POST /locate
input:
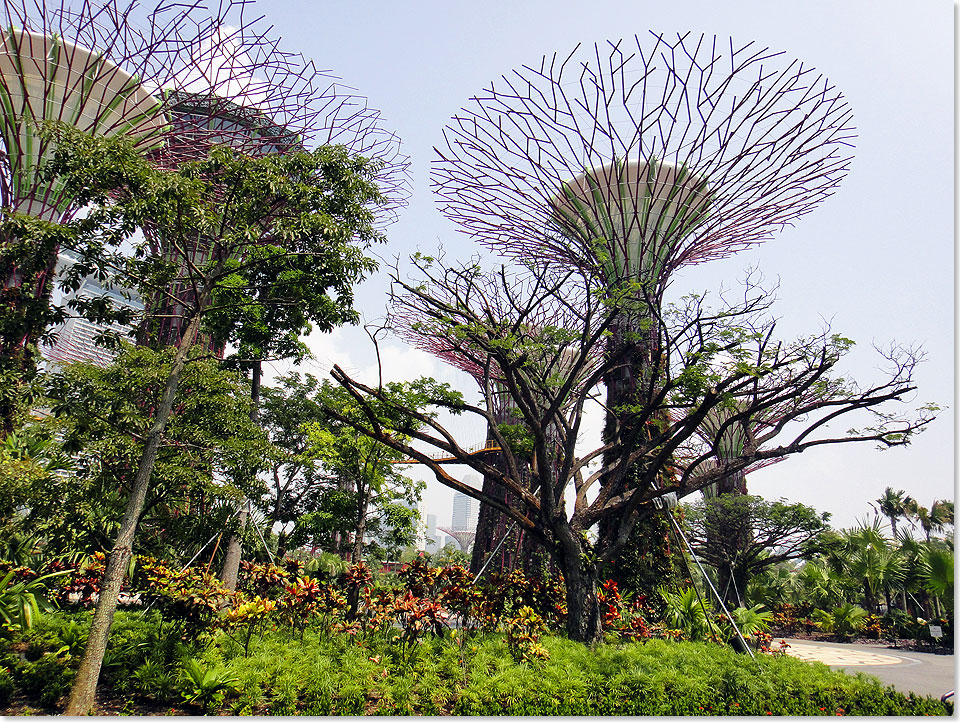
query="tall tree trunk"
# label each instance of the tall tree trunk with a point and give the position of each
(84, 690)
(583, 607)
(491, 525)
(231, 562)
(629, 385)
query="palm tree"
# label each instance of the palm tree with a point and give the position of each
(881, 570)
(936, 571)
(941, 514)
(936, 518)
(894, 505)
(816, 582)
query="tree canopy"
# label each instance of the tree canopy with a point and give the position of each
(535, 334)
(740, 535)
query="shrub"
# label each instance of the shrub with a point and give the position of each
(49, 678)
(843, 620)
(6, 685)
(153, 681)
(685, 611)
(204, 686)
(22, 600)
(186, 597)
(523, 636)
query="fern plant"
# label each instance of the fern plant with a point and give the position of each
(684, 611)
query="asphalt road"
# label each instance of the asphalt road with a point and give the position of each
(907, 671)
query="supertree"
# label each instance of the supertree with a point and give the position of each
(636, 158)
(87, 66)
(464, 538)
(493, 529)
(243, 91)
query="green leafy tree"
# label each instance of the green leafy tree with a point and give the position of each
(102, 417)
(366, 470)
(818, 583)
(30, 458)
(27, 245)
(741, 535)
(936, 572)
(249, 215)
(298, 499)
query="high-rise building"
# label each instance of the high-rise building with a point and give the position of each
(431, 535)
(466, 509)
(76, 338)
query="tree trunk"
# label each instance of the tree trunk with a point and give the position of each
(231, 562)
(230, 573)
(628, 385)
(361, 528)
(84, 690)
(583, 608)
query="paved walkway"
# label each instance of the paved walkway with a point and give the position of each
(908, 671)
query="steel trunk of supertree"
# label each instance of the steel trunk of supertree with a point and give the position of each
(494, 532)
(635, 158)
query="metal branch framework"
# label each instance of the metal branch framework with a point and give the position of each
(634, 158)
(241, 89)
(177, 78)
(463, 537)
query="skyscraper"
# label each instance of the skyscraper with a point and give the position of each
(75, 339)
(465, 511)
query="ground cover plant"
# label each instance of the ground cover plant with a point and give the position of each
(421, 641)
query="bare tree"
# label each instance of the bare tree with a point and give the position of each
(553, 374)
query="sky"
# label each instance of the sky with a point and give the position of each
(876, 260)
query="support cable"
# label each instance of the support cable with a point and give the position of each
(256, 528)
(493, 553)
(668, 509)
(723, 606)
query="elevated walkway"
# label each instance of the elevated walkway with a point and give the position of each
(444, 457)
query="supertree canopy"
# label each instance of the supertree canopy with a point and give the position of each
(243, 91)
(635, 158)
(464, 538)
(88, 65)
(85, 64)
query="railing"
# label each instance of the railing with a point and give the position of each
(444, 456)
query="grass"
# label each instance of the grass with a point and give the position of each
(324, 674)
